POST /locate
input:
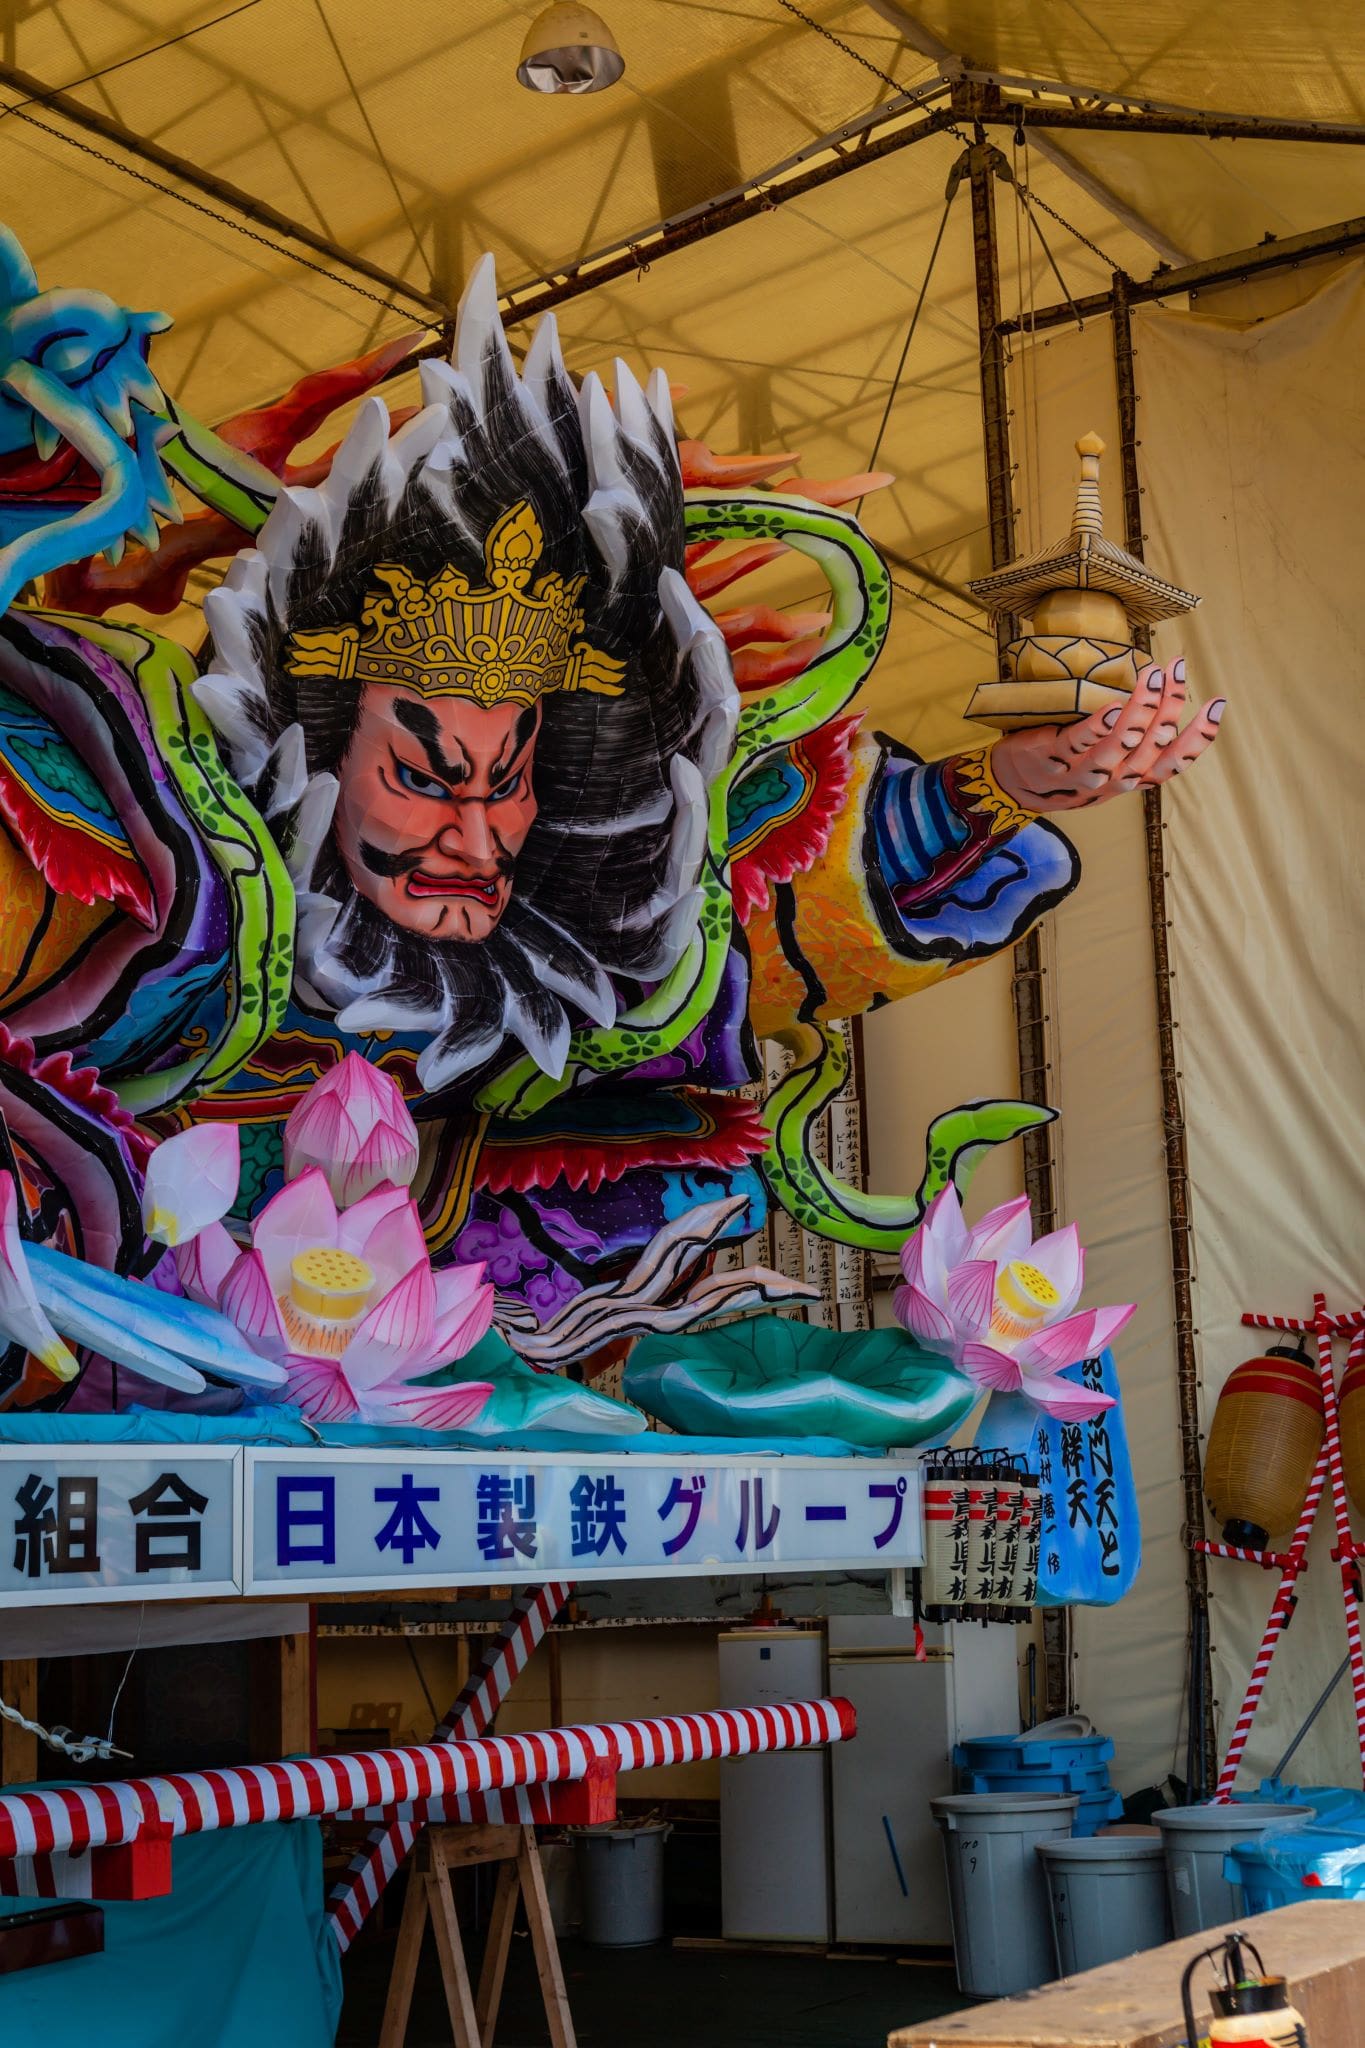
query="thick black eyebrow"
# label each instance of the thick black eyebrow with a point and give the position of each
(522, 733)
(422, 724)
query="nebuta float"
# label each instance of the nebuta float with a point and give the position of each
(467, 779)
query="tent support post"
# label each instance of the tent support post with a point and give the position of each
(1172, 1104)
(1030, 970)
(1030, 1008)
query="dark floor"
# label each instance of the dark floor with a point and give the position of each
(671, 1998)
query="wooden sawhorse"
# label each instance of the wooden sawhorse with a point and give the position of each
(440, 1849)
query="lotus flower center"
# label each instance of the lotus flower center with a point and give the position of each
(329, 1291)
(1024, 1299)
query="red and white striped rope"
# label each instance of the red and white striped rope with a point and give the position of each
(358, 1891)
(80, 1816)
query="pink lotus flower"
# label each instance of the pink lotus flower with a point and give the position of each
(191, 1181)
(22, 1317)
(355, 1125)
(1000, 1305)
(337, 1288)
(346, 1300)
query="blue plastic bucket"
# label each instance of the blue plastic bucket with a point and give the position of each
(1288, 1866)
(1089, 1784)
(1033, 1757)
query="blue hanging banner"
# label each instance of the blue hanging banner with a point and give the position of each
(1091, 1532)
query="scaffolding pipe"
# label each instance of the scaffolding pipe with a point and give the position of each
(1336, 240)
(1172, 1101)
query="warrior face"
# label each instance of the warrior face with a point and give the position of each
(434, 806)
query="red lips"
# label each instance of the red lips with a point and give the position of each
(482, 890)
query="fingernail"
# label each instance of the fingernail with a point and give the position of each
(1112, 717)
(1216, 709)
(1155, 679)
(1131, 740)
(1178, 668)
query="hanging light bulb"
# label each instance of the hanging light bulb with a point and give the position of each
(569, 49)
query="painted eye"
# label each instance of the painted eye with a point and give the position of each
(416, 782)
(510, 788)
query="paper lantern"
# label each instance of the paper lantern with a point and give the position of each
(1351, 1417)
(1263, 1443)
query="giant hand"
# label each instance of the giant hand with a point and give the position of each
(1138, 745)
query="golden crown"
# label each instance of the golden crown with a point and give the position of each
(508, 639)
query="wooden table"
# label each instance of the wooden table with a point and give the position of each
(1319, 1947)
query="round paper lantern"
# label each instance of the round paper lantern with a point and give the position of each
(1351, 1415)
(1264, 1441)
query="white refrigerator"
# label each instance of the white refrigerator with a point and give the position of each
(774, 1810)
(890, 1883)
(839, 1844)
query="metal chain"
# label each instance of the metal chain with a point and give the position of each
(840, 44)
(887, 79)
(1031, 198)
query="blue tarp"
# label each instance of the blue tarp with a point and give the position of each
(236, 1956)
(283, 1426)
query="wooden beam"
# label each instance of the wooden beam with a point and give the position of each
(281, 1677)
(19, 1749)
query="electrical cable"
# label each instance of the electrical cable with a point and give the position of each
(138, 57)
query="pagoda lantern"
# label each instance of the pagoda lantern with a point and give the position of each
(1081, 598)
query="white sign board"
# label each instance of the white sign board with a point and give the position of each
(81, 1523)
(118, 1522)
(320, 1521)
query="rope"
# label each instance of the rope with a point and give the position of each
(82, 1749)
(910, 335)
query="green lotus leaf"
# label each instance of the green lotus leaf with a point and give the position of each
(523, 1398)
(773, 1376)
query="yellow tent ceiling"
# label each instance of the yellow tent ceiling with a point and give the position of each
(399, 134)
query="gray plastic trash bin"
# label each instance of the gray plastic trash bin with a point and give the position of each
(1108, 1898)
(621, 1884)
(1002, 1940)
(1196, 1839)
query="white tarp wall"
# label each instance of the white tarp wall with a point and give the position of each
(1252, 455)
(1253, 444)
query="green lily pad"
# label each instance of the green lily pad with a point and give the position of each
(773, 1376)
(523, 1398)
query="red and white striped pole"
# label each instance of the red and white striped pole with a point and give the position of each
(1345, 1553)
(1323, 1327)
(358, 1891)
(1280, 1613)
(76, 1817)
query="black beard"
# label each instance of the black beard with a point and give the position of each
(528, 980)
